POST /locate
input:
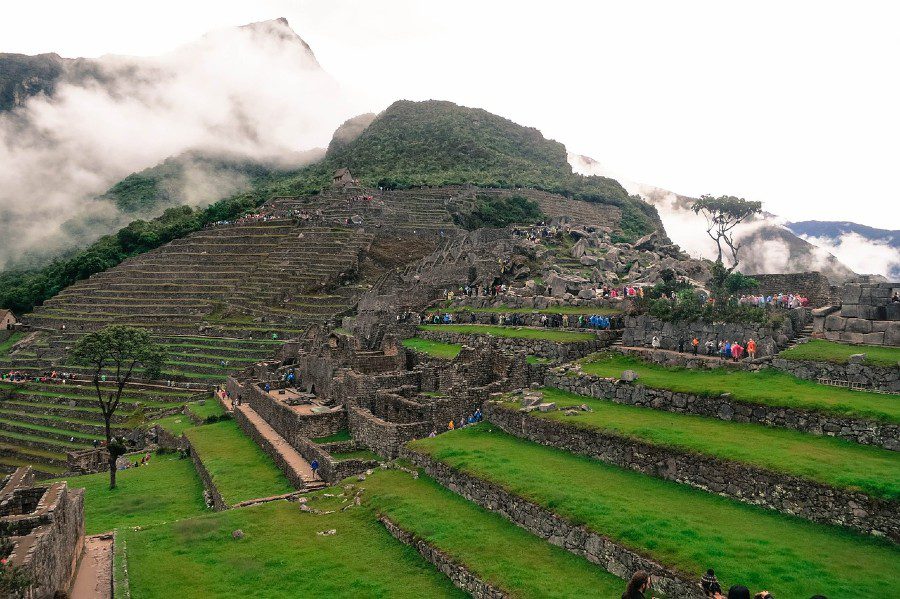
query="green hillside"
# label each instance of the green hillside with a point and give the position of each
(410, 144)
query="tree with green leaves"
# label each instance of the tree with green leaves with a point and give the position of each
(723, 214)
(118, 350)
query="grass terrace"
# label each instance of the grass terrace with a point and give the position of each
(209, 408)
(684, 528)
(340, 436)
(768, 387)
(576, 310)
(281, 555)
(5, 346)
(490, 546)
(820, 350)
(827, 460)
(165, 490)
(239, 468)
(511, 332)
(435, 349)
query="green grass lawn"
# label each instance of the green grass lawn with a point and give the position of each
(537, 360)
(820, 350)
(175, 424)
(341, 435)
(576, 310)
(511, 332)
(209, 407)
(5, 346)
(166, 490)
(684, 528)
(356, 454)
(239, 468)
(769, 386)
(281, 555)
(491, 547)
(828, 460)
(435, 349)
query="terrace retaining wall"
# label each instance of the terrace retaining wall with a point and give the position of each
(288, 423)
(215, 497)
(723, 407)
(458, 574)
(879, 378)
(331, 470)
(267, 446)
(579, 540)
(383, 437)
(640, 330)
(777, 491)
(541, 348)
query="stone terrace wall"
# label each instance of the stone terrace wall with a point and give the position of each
(640, 330)
(383, 437)
(547, 525)
(866, 432)
(867, 316)
(271, 450)
(813, 285)
(535, 347)
(458, 574)
(212, 491)
(554, 321)
(773, 490)
(331, 470)
(879, 378)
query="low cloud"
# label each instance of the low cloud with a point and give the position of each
(861, 254)
(254, 92)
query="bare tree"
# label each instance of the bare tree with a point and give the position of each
(723, 214)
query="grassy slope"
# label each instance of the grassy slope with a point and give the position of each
(6, 345)
(511, 332)
(280, 556)
(436, 349)
(165, 490)
(239, 468)
(682, 527)
(490, 546)
(820, 350)
(769, 387)
(828, 460)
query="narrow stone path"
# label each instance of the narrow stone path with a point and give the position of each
(94, 577)
(292, 458)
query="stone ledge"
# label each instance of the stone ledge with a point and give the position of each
(781, 492)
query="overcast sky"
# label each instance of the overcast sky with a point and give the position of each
(792, 103)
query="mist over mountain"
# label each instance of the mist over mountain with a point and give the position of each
(769, 243)
(70, 129)
(861, 247)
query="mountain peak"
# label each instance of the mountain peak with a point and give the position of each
(278, 29)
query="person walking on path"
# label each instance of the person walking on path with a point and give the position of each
(315, 468)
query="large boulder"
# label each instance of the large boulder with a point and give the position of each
(647, 242)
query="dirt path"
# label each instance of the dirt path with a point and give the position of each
(293, 459)
(94, 577)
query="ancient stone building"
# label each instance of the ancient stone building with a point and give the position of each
(867, 315)
(45, 523)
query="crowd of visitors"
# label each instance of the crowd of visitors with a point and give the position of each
(641, 584)
(515, 319)
(778, 300)
(725, 349)
(17, 376)
(463, 421)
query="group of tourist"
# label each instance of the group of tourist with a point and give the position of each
(463, 421)
(727, 350)
(641, 583)
(124, 463)
(17, 376)
(778, 300)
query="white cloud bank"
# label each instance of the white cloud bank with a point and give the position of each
(255, 91)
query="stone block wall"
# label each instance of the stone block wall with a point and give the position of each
(535, 347)
(640, 330)
(878, 378)
(271, 450)
(288, 423)
(773, 490)
(47, 531)
(330, 469)
(867, 315)
(212, 491)
(866, 432)
(579, 540)
(383, 437)
(813, 285)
